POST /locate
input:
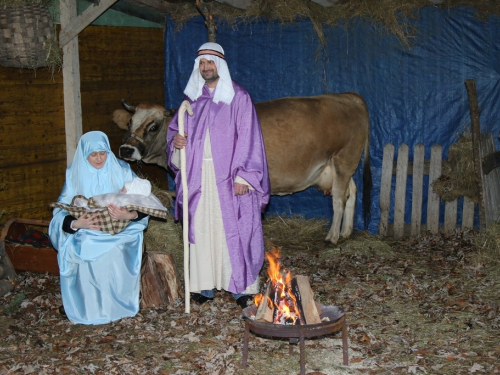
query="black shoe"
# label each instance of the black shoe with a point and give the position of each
(243, 301)
(61, 311)
(200, 298)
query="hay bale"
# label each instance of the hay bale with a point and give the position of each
(457, 176)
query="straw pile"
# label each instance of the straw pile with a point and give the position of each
(458, 177)
(392, 16)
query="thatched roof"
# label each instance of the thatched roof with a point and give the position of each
(390, 15)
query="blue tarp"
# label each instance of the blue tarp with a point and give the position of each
(414, 95)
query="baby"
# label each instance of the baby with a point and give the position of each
(137, 186)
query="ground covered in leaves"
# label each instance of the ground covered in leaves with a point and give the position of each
(421, 306)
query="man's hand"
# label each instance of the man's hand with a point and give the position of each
(87, 221)
(121, 213)
(240, 189)
(179, 141)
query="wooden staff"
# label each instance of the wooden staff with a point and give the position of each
(185, 208)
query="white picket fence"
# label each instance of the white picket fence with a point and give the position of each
(418, 168)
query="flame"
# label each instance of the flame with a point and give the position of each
(285, 310)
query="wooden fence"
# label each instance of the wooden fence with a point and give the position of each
(418, 168)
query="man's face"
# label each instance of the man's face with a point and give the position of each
(208, 71)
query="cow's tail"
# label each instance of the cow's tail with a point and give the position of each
(367, 183)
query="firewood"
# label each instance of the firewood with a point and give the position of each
(305, 300)
(159, 280)
(265, 312)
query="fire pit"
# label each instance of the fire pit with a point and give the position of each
(332, 320)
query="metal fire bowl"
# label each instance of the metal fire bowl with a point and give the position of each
(335, 315)
(297, 333)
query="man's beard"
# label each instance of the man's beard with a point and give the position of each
(210, 77)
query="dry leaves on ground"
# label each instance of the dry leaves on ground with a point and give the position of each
(413, 307)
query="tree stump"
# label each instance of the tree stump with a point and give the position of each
(159, 280)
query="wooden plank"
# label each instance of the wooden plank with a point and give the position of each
(70, 30)
(468, 214)
(491, 182)
(385, 188)
(450, 217)
(34, 154)
(432, 197)
(418, 181)
(400, 195)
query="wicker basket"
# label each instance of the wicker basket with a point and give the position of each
(24, 32)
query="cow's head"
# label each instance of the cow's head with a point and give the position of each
(146, 126)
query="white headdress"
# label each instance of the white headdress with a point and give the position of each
(224, 91)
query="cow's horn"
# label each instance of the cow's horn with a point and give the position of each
(127, 106)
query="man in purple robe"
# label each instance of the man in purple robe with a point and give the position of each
(228, 181)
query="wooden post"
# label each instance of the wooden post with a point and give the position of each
(71, 25)
(71, 82)
(432, 197)
(476, 134)
(385, 189)
(418, 180)
(209, 20)
(400, 196)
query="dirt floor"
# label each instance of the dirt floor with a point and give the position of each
(422, 306)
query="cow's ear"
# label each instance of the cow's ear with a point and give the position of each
(121, 118)
(170, 112)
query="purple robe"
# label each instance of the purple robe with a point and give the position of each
(238, 150)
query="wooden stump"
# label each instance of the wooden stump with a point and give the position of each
(159, 280)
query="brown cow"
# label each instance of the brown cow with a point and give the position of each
(309, 141)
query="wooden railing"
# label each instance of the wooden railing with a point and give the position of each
(418, 168)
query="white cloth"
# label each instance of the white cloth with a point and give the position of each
(224, 91)
(138, 186)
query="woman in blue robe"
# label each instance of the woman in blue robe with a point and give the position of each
(99, 272)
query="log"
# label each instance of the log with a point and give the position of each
(305, 300)
(264, 311)
(159, 280)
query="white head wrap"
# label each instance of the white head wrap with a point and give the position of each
(138, 186)
(224, 91)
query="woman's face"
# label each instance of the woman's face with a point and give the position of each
(97, 159)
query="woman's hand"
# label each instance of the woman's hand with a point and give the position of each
(121, 213)
(87, 221)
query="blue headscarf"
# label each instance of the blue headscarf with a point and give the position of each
(84, 179)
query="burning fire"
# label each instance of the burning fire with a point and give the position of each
(280, 297)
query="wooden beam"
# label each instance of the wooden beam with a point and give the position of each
(71, 81)
(78, 23)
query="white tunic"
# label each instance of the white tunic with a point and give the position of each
(210, 265)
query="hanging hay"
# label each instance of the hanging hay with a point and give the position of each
(391, 16)
(457, 175)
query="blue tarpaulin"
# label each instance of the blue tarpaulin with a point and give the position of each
(414, 95)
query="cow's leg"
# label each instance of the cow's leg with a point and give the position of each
(340, 192)
(348, 220)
